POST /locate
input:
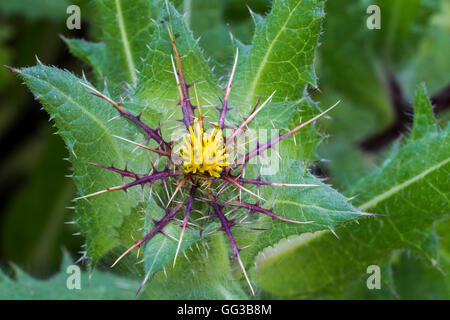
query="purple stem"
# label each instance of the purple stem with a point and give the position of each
(190, 202)
(162, 175)
(252, 181)
(223, 113)
(261, 148)
(136, 119)
(186, 117)
(123, 173)
(226, 226)
(158, 227)
(153, 134)
(189, 205)
(254, 207)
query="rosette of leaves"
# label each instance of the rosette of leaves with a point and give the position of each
(150, 78)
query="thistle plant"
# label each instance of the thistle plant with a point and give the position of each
(200, 176)
(173, 163)
(204, 172)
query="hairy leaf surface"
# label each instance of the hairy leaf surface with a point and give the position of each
(411, 188)
(282, 54)
(83, 121)
(99, 286)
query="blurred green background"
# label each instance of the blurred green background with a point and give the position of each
(34, 192)
(373, 72)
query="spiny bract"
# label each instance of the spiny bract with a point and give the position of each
(205, 157)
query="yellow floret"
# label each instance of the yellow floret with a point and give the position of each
(203, 152)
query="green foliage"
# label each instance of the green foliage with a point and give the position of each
(214, 282)
(83, 123)
(411, 188)
(283, 41)
(41, 235)
(356, 63)
(32, 157)
(132, 63)
(429, 64)
(205, 274)
(125, 32)
(322, 205)
(92, 287)
(160, 251)
(156, 84)
(404, 24)
(48, 9)
(204, 18)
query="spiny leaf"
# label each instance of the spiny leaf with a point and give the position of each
(411, 188)
(83, 121)
(161, 249)
(282, 54)
(321, 204)
(424, 121)
(204, 272)
(126, 31)
(156, 81)
(93, 54)
(99, 286)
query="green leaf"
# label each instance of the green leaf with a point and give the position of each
(281, 56)
(411, 188)
(284, 116)
(83, 121)
(324, 206)
(202, 273)
(126, 30)
(97, 285)
(161, 249)
(205, 19)
(156, 83)
(424, 121)
(93, 54)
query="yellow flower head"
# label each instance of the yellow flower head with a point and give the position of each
(203, 151)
